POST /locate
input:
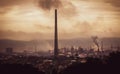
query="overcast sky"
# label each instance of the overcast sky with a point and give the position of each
(34, 19)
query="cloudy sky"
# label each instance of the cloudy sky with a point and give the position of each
(34, 19)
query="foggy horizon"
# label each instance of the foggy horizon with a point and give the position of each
(46, 45)
(90, 38)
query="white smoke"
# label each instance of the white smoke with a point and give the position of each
(96, 43)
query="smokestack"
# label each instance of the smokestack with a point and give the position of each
(56, 37)
(102, 49)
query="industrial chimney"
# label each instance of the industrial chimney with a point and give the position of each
(56, 52)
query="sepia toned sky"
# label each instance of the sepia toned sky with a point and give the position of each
(34, 19)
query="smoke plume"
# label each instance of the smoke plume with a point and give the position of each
(49, 4)
(95, 41)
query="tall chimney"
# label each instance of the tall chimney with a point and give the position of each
(56, 37)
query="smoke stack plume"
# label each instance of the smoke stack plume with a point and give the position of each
(49, 4)
(95, 41)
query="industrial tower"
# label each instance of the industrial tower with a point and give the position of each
(56, 51)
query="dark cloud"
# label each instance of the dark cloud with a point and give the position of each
(115, 3)
(48, 4)
(7, 3)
